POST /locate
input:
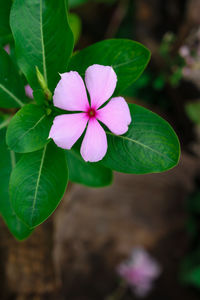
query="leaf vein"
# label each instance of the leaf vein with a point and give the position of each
(38, 181)
(26, 132)
(42, 43)
(140, 144)
(11, 95)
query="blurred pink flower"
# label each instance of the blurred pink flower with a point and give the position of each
(140, 271)
(184, 51)
(190, 60)
(186, 71)
(29, 91)
(7, 48)
(71, 95)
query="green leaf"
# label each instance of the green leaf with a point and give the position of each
(29, 129)
(149, 146)
(38, 183)
(75, 24)
(7, 162)
(190, 269)
(39, 96)
(5, 32)
(43, 38)
(75, 3)
(193, 111)
(90, 174)
(128, 58)
(12, 92)
(193, 202)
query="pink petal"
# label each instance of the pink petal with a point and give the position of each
(7, 48)
(94, 145)
(67, 129)
(29, 91)
(70, 93)
(115, 115)
(100, 82)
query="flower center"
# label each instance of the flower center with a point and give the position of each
(91, 113)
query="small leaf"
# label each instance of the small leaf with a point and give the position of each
(90, 174)
(149, 146)
(193, 111)
(43, 38)
(128, 58)
(38, 183)
(29, 129)
(75, 24)
(190, 269)
(7, 162)
(12, 92)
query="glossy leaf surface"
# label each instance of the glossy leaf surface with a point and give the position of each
(43, 38)
(128, 58)
(29, 129)
(38, 183)
(149, 146)
(90, 174)
(7, 163)
(12, 92)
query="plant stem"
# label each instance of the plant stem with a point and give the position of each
(5, 123)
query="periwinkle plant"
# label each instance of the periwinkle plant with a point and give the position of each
(34, 171)
(70, 95)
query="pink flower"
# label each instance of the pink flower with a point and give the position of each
(184, 51)
(186, 71)
(29, 91)
(7, 48)
(70, 94)
(139, 271)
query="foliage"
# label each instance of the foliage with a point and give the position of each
(190, 267)
(193, 111)
(43, 46)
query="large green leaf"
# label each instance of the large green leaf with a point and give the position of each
(5, 32)
(11, 86)
(38, 183)
(43, 38)
(128, 58)
(29, 129)
(90, 174)
(149, 146)
(7, 163)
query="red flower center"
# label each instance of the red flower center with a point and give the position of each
(91, 113)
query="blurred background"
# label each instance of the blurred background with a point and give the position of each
(140, 237)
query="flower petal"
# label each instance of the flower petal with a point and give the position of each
(70, 93)
(94, 145)
(100, 82)
(115, 115)
(29, 91)
(67, 129)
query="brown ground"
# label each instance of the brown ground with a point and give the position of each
(74, 255)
